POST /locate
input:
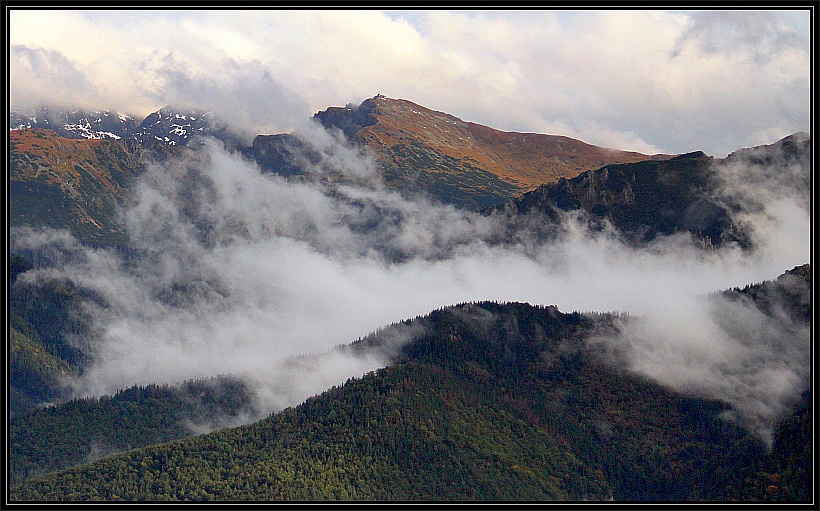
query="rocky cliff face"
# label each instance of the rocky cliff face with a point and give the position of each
(642, 200)
(692, 193)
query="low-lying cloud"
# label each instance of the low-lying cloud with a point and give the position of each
(723, 349)
(236, 271)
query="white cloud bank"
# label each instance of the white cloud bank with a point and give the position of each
(235, 271)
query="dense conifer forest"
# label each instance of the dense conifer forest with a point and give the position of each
(494, 401)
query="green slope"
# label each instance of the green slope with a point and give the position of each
(73, 184)
(42, 319)
(82, 430)
(492, 402)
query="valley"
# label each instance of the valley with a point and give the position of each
(399, 305)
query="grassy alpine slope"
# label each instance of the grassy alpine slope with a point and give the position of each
(74, 184)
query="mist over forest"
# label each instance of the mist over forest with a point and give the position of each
(234, 271)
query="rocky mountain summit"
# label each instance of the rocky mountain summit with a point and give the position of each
(460, 162)
(692, 192)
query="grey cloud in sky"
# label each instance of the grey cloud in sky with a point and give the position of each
(38, 75)
(244, 94)
(758, 33)
(737, 78)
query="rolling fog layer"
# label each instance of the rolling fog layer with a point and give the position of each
(234, 271)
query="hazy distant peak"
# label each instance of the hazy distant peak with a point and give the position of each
(176, 112)
(800, 136)
(75, 122)
(790, 147)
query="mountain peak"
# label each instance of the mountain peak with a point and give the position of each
(796, 146)
(439, 151)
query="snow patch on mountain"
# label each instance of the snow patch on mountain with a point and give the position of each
(169, 125)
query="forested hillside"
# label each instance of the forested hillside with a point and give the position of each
(42, 321)
(492, 401)
(82, 430)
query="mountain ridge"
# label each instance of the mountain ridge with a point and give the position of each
(170, 125)
(400, 131)
(514, 156)
(417, 149)
(490, 401)
(690, 193)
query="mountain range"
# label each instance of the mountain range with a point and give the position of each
(418, 149)
(168, 125)
(455, 162)
(76, 123)
(487, 401)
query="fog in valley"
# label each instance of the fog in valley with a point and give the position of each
(234, 271)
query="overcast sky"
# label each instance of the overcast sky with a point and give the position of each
(645, 80)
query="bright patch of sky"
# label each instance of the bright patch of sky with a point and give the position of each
(644, 80)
